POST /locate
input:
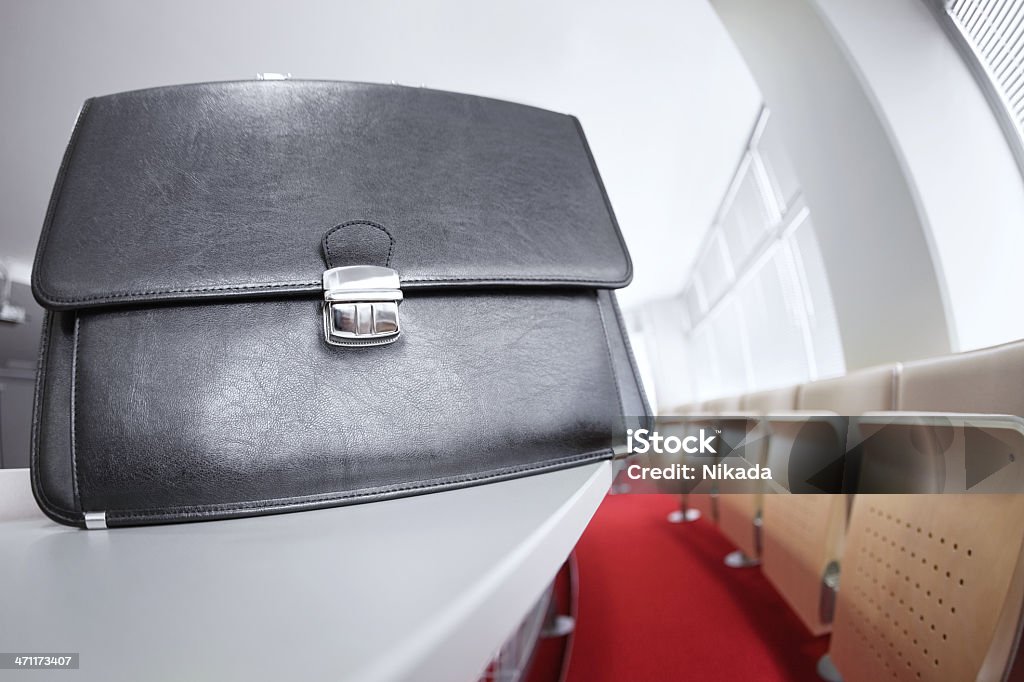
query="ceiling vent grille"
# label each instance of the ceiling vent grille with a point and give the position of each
(992, 31)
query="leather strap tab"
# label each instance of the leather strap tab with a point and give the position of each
(358, 242)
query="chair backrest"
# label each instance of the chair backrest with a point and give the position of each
(680, 427)
(710, 419)
(694, 417)
(773, 400)
(802, 537)
(964, 452)
(803, 534)
(727, 405)
(811, 445)
(739, 503)
(930, 588)
(867, 390)
(986, 381)
(684, 409)
(779, 447)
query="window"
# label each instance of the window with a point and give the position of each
(759, 312)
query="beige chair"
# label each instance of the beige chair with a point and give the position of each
(971, 435)
(702, 500)
(987, 381)
(685, 409)
(990, 382)
(680, 425)
(803, 534)
(739, 504)
(679, 422)
(867, 390)
(905, 452)
(932, 588)
(686, 512)
(932, 585)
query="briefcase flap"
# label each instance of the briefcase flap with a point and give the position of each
(224, 190)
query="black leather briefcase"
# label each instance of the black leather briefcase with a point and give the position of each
(271, 296)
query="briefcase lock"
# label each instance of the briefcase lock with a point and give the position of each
(361, 305)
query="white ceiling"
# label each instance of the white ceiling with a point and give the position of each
(661, 91)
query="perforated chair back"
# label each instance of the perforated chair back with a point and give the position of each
(930, 588)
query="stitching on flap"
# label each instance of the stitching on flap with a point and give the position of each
(75, 475)
(256, 288)
(48, 506)
(327, 238)
(284, 503)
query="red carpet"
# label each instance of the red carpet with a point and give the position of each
(656, 603)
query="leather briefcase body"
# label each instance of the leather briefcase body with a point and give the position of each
(271, 296)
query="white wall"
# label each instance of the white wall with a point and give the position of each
(889, 299)
(661, 91)
(968, 186)
(917, 196)
(913, 190)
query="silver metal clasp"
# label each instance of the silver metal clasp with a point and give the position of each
(361, 305)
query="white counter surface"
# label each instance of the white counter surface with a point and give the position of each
(423, 588)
